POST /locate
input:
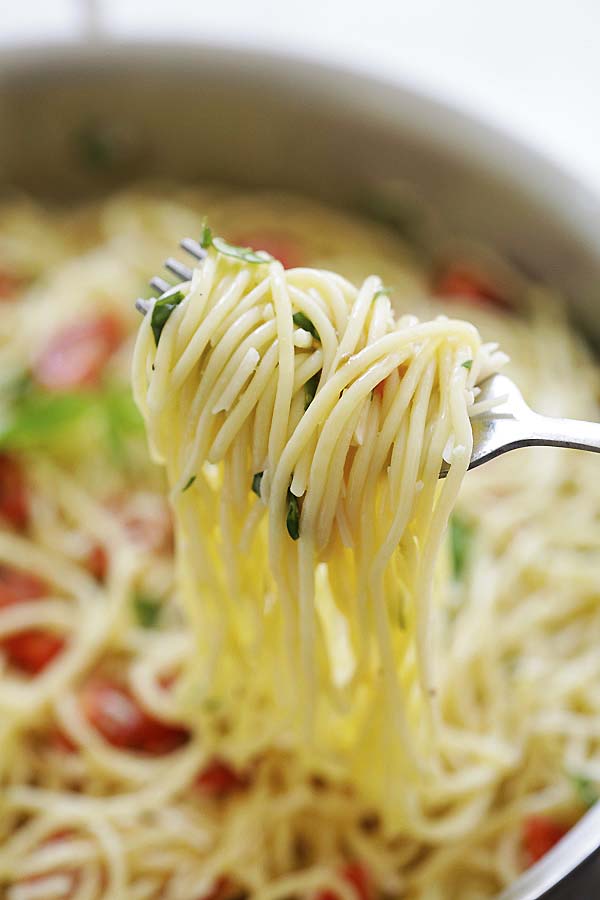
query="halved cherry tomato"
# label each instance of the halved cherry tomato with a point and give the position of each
(540, 834)
(96, 562)
(357, 875)
(14, 502)
(60, 741)
(117, 716)
(33, 649)
(76, 356)
(459, 282)
(380, 388)
(9, 285)
(282, 248)
(219, 779)
(219, 890)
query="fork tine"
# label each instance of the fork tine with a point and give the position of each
(193, 247)
(177, 268)
(143, 306)
(159, 285)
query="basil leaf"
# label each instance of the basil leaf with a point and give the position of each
(162, 309)
(467, 364)
(460, 542)
(310, 389)
(292, 520)
(147, 610)
(246, 254)
(188, 483)
(256, 480)
(304, 322)
(205, 237)
(585, 789)
(384, 291)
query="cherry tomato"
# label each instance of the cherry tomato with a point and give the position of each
(33, 649)
(540, 834)
(14, 502)
(380, 388)
(76, 356)
(356, 874)
(281, 247)
(117, 716)
(9, 285)
(219, 779)
(96, 562)
(219, 890)
(460, 283)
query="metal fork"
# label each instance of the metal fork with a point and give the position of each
(507, 425)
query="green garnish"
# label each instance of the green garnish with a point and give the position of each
(585, 789)
(467, 364)
(384, 291)
(246, 254)
(188, 483)
(310, 389)
(205, 236)
(461, 536)
(292, 520)
(97, 146)
(162, 309)
(39, 418)
(147, 610)
(304, 322)
(256, 480)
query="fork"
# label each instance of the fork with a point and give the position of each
(507, 424)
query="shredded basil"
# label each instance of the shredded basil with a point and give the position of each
(292, 520)
(256, 480)
(467, 364)
(384, 291)
(39, 418)
(460, 541)
(162, 309)
(310, 389)
(246, 254)
(147, 610)
(188, 483)
(585, 789)
(304, 322)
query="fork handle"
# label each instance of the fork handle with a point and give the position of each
(572, 433)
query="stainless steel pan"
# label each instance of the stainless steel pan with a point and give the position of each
(260, 119)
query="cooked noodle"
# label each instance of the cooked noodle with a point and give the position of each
(359, 717)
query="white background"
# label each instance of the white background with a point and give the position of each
(531, 66)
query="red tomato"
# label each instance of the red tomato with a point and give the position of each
(218, 891)
(96, 562)
(9, 285)
(380, 388)
(30, 650)
(14, 502)
(356, 874)
(282, 248)
(76, 356)
(117, 716)
(218, 779)
(457, 281)
(540, 834)
(60, 741)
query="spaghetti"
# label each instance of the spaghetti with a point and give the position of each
(152, 745)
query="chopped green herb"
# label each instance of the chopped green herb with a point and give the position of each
(384, 291)
(585, 789)
(256, 480)
(97, 146)
(147, 610)
(293, 516)
(310, 389)
(467, 364)
(304, 322)
(205, 236)
(39, 418)
(246, 254)
(188, 483)
(162, 309)
(460, 540)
